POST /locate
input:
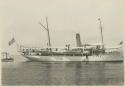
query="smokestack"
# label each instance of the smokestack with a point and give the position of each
(78, 40)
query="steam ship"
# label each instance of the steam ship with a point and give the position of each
(86, 52)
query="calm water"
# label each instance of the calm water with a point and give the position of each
(23, 72)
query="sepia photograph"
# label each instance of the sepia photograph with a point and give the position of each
(62, 42)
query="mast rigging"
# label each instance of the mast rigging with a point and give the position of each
(47, 29)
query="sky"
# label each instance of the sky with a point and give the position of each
(20, 19)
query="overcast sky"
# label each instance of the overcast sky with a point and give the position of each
(66, 18)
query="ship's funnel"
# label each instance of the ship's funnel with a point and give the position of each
(78, 40)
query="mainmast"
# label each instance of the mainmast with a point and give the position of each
(100, 23)
(47, 29)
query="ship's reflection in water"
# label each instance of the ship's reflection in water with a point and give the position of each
(63, 73)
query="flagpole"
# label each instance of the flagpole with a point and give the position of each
(18, 46)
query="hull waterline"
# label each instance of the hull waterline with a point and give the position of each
(75, 58)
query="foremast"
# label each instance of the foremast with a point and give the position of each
(47, 29)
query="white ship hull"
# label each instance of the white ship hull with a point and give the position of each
(93, 58)
(109, 55)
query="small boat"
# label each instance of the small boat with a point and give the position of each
(6, 57)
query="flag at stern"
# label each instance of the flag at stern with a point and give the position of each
(11, 41)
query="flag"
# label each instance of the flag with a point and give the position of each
(99, 19)
(11, 41)
(121, 42)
